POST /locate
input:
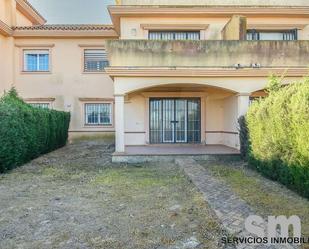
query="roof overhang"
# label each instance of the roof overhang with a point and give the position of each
(118, 11)
(203, 72)
(65, 33)
(30, 12)
(5, 29)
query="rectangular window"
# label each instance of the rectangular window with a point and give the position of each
(288, 35)
(40, 105)
(98, 114)
(95, 60)
(36, 60)
(174, 35)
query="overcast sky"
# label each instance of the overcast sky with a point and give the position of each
(84, 11)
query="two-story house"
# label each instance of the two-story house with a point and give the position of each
(165, 72)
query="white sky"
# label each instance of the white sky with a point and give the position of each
(84, 11)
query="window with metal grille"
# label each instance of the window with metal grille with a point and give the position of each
(40, 105)
(36, 60)
(98, 114)
(95, 60)
(174, 35)
(287, 35)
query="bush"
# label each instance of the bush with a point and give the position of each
(244, 138)
(279, 134)
(27, 132)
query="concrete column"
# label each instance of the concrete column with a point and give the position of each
(119, 123)
(243, 102)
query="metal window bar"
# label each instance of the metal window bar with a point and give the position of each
(289, 35)
(95, 60)
(98, 114)
(40, 105)
(174, 35)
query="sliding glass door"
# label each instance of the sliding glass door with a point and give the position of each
(175, 120)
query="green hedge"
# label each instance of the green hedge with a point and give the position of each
(279, 135)
(27, 132)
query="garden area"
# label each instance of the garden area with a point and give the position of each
(75, 197)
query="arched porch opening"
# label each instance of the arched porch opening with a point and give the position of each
(179, 113)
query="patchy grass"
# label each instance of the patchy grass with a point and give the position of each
(266, 196)
(76, 198)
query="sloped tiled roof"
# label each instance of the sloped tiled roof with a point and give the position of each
(66, 27)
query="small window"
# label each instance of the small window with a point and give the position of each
(174, 35)
(95, 60)
(98, 114)
(40, 105)
(288, 35)
(36, 60)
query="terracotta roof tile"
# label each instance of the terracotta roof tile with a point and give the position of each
(65, 27)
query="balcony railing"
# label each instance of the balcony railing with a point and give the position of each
(243, 54)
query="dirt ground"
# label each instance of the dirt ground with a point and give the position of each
(76, 198)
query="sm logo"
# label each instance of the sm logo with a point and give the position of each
(275, 227)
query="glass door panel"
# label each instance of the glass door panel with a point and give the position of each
(194, 121)
(175, 120)
(168, 118)
(155, 121)
(181, 120)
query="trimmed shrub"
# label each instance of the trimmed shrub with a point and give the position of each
(279, 135)
(244, 138)
(27, 132)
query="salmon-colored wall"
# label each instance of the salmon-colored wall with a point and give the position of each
(66, 82)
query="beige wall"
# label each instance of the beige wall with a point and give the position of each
(6, 62)
(8, 12)
(132, 27)
(66, 82)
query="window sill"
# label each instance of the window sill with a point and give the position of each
(98, 126)
(94, 72)
(35, 72)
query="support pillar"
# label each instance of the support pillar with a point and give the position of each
(119, 123)
(243, 102)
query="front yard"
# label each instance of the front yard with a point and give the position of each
(75, 198)
(266, 197)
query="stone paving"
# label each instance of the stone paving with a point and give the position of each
(230, 209)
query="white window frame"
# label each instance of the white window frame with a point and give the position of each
(36, 52)
(99, 124)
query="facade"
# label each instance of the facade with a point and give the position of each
(165, 72)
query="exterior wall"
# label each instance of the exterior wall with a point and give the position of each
(7, 12)
(132, 27)
(66, 83)
(21, 20)
(6, 62)
(216, 2)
